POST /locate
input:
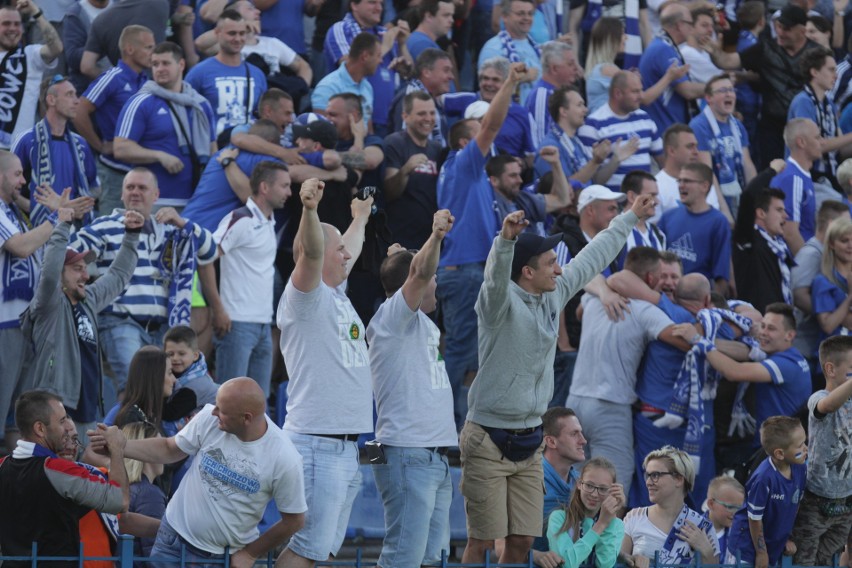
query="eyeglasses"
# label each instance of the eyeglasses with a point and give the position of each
(729, 506)
(725, 91)
(594, 489)
(656, 475)
(690, 23)
(685, 181)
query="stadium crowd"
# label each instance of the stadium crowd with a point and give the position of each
(600, 249)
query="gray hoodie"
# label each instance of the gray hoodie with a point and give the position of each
(518, 331)
(49, 319)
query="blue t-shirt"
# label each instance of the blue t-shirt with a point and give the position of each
(108, 93)
(789, 390)
(464, 189)
(224, 86)
(670, 107)
(527, 54)
(516, 133)
(701, 240)
(419, 42)
(846, 119)
(284, 20)
(536, 104)
(799, 199)
(147, 120)
(662, 362)
(557, 493)
(773, 499)
(723, 149)
(747, 97)
(572, 158)
(803, 107)
(826, 297)
(214, 198)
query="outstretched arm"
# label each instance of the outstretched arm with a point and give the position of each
(425, 262)
(309, 239)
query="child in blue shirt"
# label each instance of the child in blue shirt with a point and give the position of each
(761, 529)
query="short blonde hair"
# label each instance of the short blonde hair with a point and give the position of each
(677, 462)
(844, 175)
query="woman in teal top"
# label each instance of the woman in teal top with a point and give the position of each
(588, 528)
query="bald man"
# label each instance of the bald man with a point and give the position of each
(242, 460)
(330, 396)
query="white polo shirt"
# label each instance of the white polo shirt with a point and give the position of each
(247, 241)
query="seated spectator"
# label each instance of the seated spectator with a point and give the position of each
(696, 232)
(668, 527)
(620, 120)
(773, 493)
(146, 498)
(588, 527)
(150, 383)
(830, 298)
(725, 496)
(365, 56)
(605, 43)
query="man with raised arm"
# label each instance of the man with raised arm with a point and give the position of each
(518, 315)
(330, 392)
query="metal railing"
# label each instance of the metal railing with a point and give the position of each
(126, 559)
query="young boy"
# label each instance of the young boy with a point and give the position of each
(825, 515)
(189, 366)
(725, 496)
(761, 529)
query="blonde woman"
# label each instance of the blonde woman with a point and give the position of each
(830, 296)
(587, 529)
(668, 526)
(606, 41)
(145, 497)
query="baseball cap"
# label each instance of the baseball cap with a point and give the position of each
(72, 256)
(316, 127)
(530, 245)
(598, 193)
(792, 15)
(476, 110)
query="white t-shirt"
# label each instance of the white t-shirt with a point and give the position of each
(610, 353)
(669, 196)
(322, 340)
(247, 239)
(648, 538)
(29, 103)
(223, 496)
(275, 52)
(701, 67)
(414, 400)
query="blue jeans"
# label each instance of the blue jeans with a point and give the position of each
(332, 480)
(121, 339)
(457, 292)
(416, 490)
(245, 351)
(167, 549)
(111, 187)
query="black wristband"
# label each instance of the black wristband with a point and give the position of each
(38, 14)
(136, 230)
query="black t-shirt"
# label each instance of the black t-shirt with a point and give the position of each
(780, 77)
(410, 216)
(86, 410)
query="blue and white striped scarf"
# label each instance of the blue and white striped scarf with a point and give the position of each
(19, 274)
(509, 46)
(697, 380)
(785, 260)
(176, 265)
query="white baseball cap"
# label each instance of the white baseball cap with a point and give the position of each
(598, 193)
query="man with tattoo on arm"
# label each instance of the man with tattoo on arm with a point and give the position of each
(22, 68)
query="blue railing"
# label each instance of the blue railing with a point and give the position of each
(125, 559)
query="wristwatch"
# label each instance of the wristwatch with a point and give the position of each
(227, 162)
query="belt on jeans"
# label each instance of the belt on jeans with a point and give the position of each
(520, 432)
(150, 326)
(342, 437)
(440, 450)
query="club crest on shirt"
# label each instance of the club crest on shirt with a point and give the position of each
(354, 331)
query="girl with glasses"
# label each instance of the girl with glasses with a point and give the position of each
(587, 530)
(668, 526)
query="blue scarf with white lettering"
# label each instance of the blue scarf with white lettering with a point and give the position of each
(13, 78)
(43, 169)
(508, 45)
(18, 274)
(176, 264)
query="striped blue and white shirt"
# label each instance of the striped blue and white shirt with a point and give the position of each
(146, 298)
(536, 104)
(604, 124)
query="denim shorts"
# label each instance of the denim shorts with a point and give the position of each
(332, 481)
(167, 549)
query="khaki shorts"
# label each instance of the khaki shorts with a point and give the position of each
(501, 497)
